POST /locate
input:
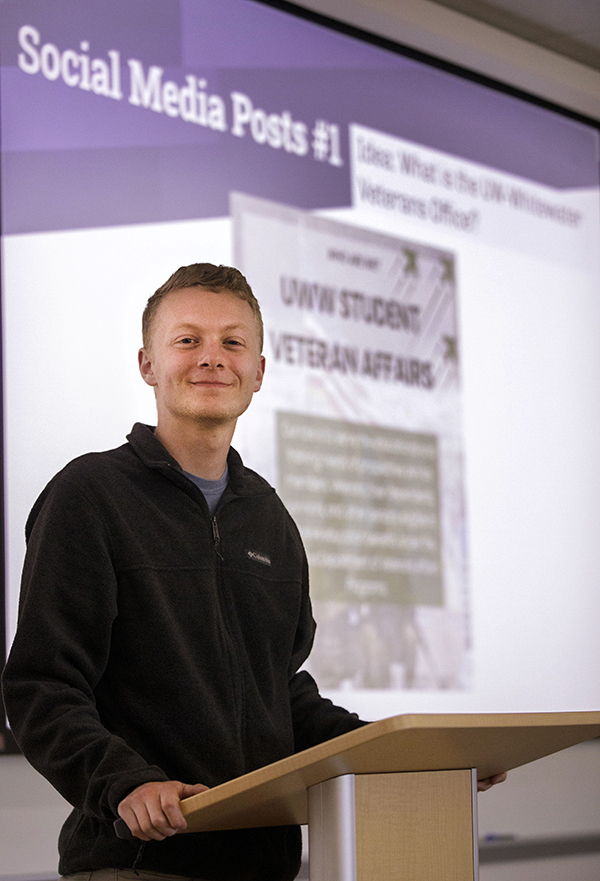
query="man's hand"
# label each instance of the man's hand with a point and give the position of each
(488, 782)
(152, 810)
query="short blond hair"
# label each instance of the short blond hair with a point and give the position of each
(217, 279)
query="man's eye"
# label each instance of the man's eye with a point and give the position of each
(233, 342)
(187, 340)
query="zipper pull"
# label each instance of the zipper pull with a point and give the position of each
(216, 537)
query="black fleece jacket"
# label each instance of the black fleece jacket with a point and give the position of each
(156, 643)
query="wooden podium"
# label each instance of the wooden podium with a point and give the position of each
(394, 800)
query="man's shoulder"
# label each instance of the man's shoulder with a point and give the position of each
(246, 482)
(81, 472)
(99, 465)
(243, 480)
(91, 475)
(96, 465)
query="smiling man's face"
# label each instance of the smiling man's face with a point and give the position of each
(203, 358)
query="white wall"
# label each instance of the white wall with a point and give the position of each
(31, 814)
(556, 796)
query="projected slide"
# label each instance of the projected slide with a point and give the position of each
(426, 253)
(362, 347)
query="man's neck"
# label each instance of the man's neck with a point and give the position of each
(200, 449)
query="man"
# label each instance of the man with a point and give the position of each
(165, 614)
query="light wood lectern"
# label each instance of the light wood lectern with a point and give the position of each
(394, 800)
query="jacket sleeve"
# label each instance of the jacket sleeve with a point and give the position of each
(67, 608)
(316, 718)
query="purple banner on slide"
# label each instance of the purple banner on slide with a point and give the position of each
(150, 110)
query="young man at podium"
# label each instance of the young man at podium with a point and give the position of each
(165, 613)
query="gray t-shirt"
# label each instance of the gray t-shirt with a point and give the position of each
(212, 490)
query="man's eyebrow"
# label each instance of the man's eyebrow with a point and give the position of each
(232, 327)
(187, 325)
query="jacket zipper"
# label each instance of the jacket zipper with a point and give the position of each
(236, 666)
(235, 662)
(216, 538)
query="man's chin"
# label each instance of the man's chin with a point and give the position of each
(216, 416)
(210, 412)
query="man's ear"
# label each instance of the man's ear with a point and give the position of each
(145, 365)
(259, 374)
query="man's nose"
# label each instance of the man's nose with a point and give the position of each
(209, 354)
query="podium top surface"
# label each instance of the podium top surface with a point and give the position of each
(491, 743)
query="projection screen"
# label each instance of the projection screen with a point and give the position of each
(425, 247)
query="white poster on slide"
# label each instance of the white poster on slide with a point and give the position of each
(358, 424)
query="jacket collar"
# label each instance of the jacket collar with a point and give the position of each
(149, 449)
